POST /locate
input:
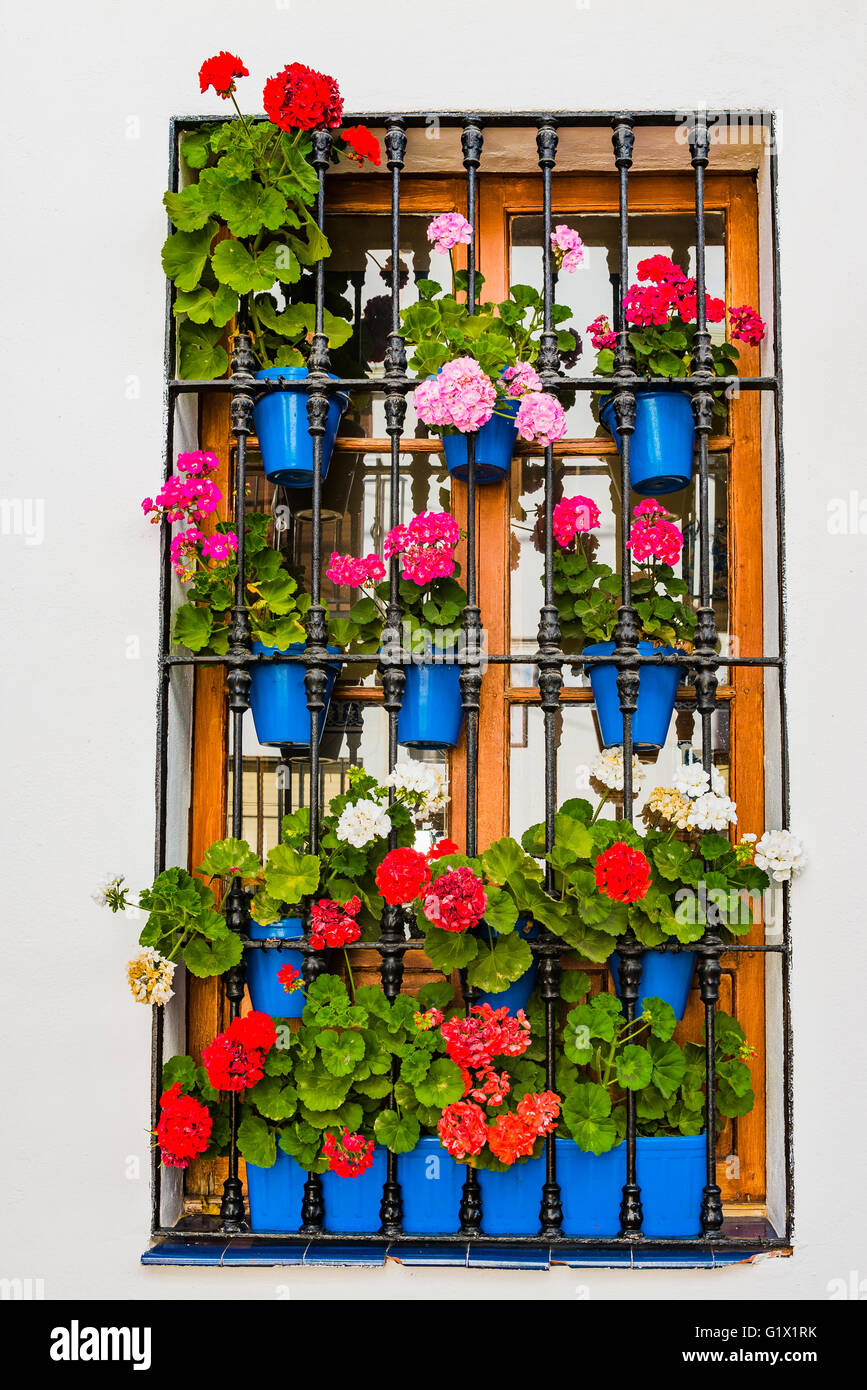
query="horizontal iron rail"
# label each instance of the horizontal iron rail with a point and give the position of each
(379, 385)
(421, 120)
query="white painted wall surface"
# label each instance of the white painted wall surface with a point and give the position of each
(89, 89)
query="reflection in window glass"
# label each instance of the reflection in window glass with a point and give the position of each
(578, 747)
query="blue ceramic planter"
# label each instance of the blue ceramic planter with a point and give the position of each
(671, 1174)
(664, 975)
(657, 690)
(431, 715)
(430, 1183)
(660, 454)
(275, 1194)
(278, 699)
(495, 444)
(267, 995)
(280, 420)
(352, 1204)
(518, 994)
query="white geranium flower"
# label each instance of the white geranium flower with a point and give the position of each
(424, 781)
(150, 977)
(101, 895)
(710, 811)
(691, 780)
(781, 854)
(608, 769)
(362, 822)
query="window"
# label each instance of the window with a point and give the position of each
(519, 757)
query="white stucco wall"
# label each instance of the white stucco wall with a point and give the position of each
(89, 89)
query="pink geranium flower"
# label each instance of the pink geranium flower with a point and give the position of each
(541, 418)
(568, 248)
(448, 230)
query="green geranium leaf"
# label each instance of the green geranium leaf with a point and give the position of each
(203, 305)
(201, 355)
(188, 209)
(499, 965)
(192, 627)
(574, 985)
(303, 1143)
(230, 857)
(662, 1018)
(196, 148)
(399, 1133)
(502, 859)
(341, 1052)
(320, 1089)
(290, 876)
(669, 1064)
(713, 846)
(448, 950)
(234, 266)
(274, 1099)
(587, 1115)
(203, 959)
(633, 1067)
(256, 1142)
(185, 253)
(415, 1066)
(443, 1084)
(247, 207)
(181, 1069)
(439, 994)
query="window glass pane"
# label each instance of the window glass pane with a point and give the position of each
(598, 478)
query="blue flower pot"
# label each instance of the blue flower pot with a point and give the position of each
(495, 445)
(280, 420)
(660, 454)
(430, 1184)
(431, 715)
(664, 975)
(275, 1194)
(657, 690)
(518, 994)
(671, 1174)
(278, 699)
(352, 1204)
(267, 995)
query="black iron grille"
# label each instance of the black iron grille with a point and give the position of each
(703, 663)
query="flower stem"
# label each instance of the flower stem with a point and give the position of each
(349, 973)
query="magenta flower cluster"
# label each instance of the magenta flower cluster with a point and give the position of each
(188, 494)
(460, 397)
(426, 547)
(352, 573)
(568, 248)
(541, 418)
(448, 230)
(602, 334)
(653, 536)
(574, 515)
(193, 545)
(746, 326)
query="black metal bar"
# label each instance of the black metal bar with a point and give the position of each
(709, 973)
(374, 385)
(471, 677)
(626, 638)
(751, 118)
(393, 676)
(500, 658)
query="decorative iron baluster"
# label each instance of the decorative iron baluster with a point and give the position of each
(393, 676)
(315, 677)
(705, 649)
(626, 637)
(243, 364)
(549, 661)
(470, 678)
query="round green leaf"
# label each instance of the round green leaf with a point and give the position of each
(341, 1052)
(256, 1142)
(634, 1067)
(399, 1133)
(587, 1114)
(185, 253)
(443, 1084)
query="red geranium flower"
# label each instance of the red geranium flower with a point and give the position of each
(746, 326)
(622, 874)
(510, 1139)
(299, 99)
(540, 1110)
(333, 924)
(235, 1059)
(462, 1129)
(184, 1128)
(290, 979)
(402, 875)
(362, 145)
(220, 73)
(349, 1156)
(456, 901)
(442, 848)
